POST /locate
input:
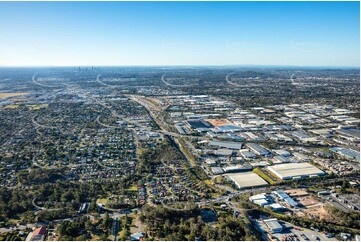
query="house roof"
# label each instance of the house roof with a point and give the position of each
(39, 231)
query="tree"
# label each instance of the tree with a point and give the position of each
(107, 221)
(28, 217)
(104, 237)
(92, 205)
(81, 238)
(65, 238)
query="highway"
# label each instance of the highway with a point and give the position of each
(102, 83)
(293, 81)
(105, 125)
(42, 208)
(37, 125)
(232, 83)
(44, 85)
(172, 85)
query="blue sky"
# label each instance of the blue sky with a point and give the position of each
(179, 33)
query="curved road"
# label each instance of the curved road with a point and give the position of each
(102, 83)
(42, 208)
(232, 83)
(44, 85)
(105, 125)
(293, 81)
(172, 85)
(37, 125)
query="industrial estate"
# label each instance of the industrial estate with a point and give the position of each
(201, 153)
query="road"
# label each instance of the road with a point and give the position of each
(105, 125)
(37, 125)
(232, 83)
(43, 85)
(172, 85)
(102, 83)
(115, 228)
(293, 81)
(42, 208)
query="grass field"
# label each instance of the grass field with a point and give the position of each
(103, 200)
(132, 188)
(37, 106)
(12, 94)
(12, 106)
(259, 172)
(13, 221)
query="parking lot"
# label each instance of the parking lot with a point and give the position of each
(295, 233)
(302, 234)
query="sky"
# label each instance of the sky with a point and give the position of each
(179, 33)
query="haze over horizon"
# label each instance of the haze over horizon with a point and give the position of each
(180, 33)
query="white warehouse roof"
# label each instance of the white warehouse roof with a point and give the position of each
(290, 170)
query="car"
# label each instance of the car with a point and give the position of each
(315, 237)
(304, 236)
(329, 235)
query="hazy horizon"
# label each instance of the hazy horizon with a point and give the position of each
(182, 66)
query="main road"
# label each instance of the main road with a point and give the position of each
(172, 85)
(232, 83)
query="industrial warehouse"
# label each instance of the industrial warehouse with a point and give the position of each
(295, 171)
(247, 179)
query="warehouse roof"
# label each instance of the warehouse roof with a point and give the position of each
(195, 124)
(237, 168)
(257, 148)
(273, 224)
(282, 152)
(217, 170)
(289, 170)
(229, 128)
(285, 197)
(225, 144)
(247, 179)
(258, 196)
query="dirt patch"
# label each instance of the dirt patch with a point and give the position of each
(297, 192)
(308, 201)
(219, 122)
(318, 212)
(138, 226)
(12, 94)
(314, 209)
